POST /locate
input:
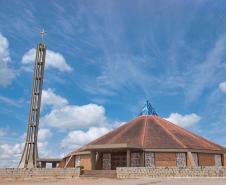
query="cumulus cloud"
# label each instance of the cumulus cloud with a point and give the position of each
(44, 149)
(10, 154)
(222, 86)
(72, 116)
(50, 98)
(6, 73)
(44, 134)
(77, 138)
(53, 60)
(184, 120)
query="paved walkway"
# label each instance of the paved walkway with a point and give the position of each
(103, 181)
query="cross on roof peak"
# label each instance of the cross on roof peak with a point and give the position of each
(148, 109)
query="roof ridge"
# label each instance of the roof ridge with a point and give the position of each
(169, 133)
(130, 124)
(195, 135)
(144, 130)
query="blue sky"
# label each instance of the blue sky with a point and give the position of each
(104, 60)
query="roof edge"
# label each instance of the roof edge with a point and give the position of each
(112, 146)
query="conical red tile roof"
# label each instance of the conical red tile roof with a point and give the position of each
(153, 132)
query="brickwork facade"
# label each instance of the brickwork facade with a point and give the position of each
(206, 159)
(165, 159)
(62, 163)
(85, 161)
(70, 162)
(152, 159)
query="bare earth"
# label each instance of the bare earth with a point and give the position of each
(105, 181)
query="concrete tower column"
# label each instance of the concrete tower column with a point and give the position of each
(30, 153)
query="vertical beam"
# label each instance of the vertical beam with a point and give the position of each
(190, 160)
(224, 160)
(142, 159)
(128, 160)
(93, 160)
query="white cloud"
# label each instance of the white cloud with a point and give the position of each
(222, 86)
(72, 116)
(6, 73)
(53, 60)
(44, 134)
(50, 98)
(2, 132)
(44, 149)
(10, 154)
(184, 120)
(77, 138)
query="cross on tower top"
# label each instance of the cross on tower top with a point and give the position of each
(43, 33)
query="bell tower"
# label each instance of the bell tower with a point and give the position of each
(30, 153)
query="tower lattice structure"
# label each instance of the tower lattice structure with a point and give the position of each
(30, 152)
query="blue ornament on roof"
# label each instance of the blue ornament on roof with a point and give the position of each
(148, 110)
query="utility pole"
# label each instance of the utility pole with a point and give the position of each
(30, 153)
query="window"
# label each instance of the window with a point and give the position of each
(218, 161)
(106, 161)
(149, 159)
(181, 160)
(195, 159)
(135, 159)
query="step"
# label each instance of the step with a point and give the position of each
(99, 173)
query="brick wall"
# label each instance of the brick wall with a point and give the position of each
(71, 162)
(62, 163)
(134, 172)
(165, 159)
(39, 172)
(85, 161)
(206, 159)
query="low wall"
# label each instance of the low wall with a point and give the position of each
(133, 172)
(39, 173)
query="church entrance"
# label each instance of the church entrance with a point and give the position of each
(118, 160)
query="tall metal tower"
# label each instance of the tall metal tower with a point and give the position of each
(30, 152)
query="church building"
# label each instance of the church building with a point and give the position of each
(146, 141)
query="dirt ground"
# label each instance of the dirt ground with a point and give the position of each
(105, 181)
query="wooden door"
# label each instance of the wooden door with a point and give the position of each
(118, 160)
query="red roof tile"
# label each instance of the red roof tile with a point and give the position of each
(153, 132)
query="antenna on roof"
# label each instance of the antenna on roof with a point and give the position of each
(148, 109)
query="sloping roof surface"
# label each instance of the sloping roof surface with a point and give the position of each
(153, 132)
